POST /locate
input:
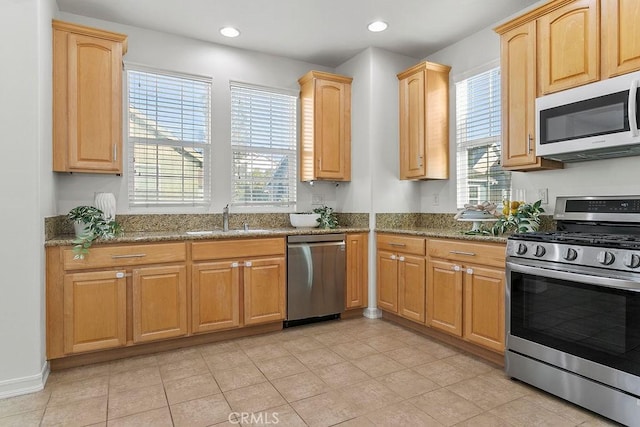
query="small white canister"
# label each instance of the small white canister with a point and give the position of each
(106, 202)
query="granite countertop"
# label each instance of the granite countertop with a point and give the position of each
(447, 233)
(216, 234)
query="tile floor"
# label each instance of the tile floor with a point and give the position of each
(358, 372)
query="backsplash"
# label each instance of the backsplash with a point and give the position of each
(440, 221)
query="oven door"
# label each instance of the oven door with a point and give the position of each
(582, 322)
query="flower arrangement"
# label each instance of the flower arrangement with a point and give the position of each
(519, 217)
(327, 218)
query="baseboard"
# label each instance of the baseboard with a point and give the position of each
(25, 385)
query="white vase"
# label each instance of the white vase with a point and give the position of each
(106, 202)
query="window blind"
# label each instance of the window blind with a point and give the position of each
(263, 145)
(169, 139)
(478, 133)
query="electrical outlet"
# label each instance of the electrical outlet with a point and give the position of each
(436, 199)
(317, 199)
(543, 194)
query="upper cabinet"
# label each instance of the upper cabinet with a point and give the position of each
(620, 34)
(424, 121)
(569, 46)
(325, 140)
(87, 99)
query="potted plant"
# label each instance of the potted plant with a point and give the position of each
(520, 217)
(94, 226)
(327, 218)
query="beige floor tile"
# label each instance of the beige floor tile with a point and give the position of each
(410, 356)
(160, 417)
(133, 363)
(314, 359)
(384, 343)
(483, 393)
(201, 412)
(341, 374)
(240, 376)
(446, 407)
(266, 352)
(218, 347)
(325, 409)
(78, 413)
(436, 349)
(281, 367)
(258, 340)
(183, 369)
(484, 420)
(470, 364)
(523, 412)
(369, 396)
(407, 383)
(24, 419)
(25, 403)
(190, 388)
(254, 398)
(561, 407)
(442, 373)
(333, 338)
(78, 374)
(361, 421)
(377, 365)
(279, 416)
(300, 386)
(410, 338)
(353, 350)
(136, 378)
(401, 415)
(72, 391)
(302, 344)
(178, 355)
(226, 360)
(125, 403)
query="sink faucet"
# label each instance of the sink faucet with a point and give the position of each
(225, 218)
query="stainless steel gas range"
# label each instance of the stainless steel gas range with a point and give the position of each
(573, 306)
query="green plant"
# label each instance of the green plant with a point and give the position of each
(327, 218)
(523, 218)
(96, 226)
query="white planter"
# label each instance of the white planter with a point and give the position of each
(106, 202)
(79, 227)
(304, 220)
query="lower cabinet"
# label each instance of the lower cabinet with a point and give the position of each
(357, 263)
(215, 294)
(444, 296)
(264, 290)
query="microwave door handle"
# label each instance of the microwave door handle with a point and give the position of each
(632, 106)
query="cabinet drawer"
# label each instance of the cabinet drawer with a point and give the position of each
(240, 248)
(490, 254)
(122, 256)
(404, 244)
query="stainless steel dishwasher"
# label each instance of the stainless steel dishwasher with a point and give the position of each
(316, 270)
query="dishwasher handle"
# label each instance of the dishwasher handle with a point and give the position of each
(314, 244)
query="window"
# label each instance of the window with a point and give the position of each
(169, 139)
(478, 131)
(263, 145)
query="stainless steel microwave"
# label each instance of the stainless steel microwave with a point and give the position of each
(590, 122)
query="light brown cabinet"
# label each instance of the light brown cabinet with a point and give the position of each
(569, 46)
(620, 35)
(465, 291)
(87, 99)
(325, 137)
(424, 121)
(264, 290)
(215, 290)
(401, 276)
(357, 275)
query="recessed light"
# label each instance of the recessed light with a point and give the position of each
(229, 32)
(377, 26)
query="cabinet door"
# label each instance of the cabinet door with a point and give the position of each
(357, 277)
(215, 296)
(569, 46)
(484, 307)
(332, 130)
(264, 290)
(159, 303)
(444, 297)
(411, 284)
(94, 104)
(95, 311)
(620, 37)
(387, 281)
(412, 126)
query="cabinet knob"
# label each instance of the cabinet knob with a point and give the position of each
(234, 265)
(120, 275)
(247, 264)
(393, 257)
(401, 258)
(469, 270)
(456, 268)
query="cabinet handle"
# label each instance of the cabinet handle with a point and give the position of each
(128, 256)
(456, 268)
(115, 152)
(401, 259)
(469, 271)
(529, 143)
(393, 257)
(398, 245)
(120, 275)
(420, 161)
(462, 253)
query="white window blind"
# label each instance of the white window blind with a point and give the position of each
(169, 134)
(263, 143)
(478, 132)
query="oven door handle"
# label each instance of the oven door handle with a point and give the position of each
(626, 285)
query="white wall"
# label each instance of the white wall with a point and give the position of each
(27, 190)
(223, 63)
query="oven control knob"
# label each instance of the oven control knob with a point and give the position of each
(521, 249)
(605, 258)
(570, 254)
(631, 260)
(540, 251)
